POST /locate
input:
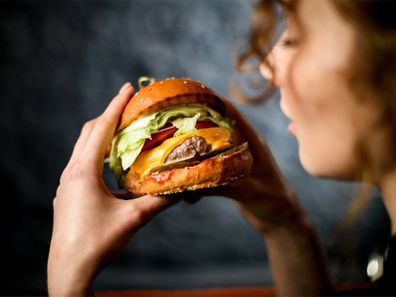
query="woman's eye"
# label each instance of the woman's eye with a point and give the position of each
(289, 41)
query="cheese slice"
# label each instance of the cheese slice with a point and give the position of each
(218, 137)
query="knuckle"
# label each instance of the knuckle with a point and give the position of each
(77, 170)
(106, 118)
(58, 191)
(63, 177)
(88, 125)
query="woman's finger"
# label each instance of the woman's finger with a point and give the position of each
(104, 128)
(78, 147)
(82, 139)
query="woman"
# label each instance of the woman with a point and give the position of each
(335, 68)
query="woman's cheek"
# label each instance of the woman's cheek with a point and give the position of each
(324, 154)
(327, 142)
(324, 129)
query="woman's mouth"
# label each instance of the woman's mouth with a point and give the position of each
(291, 128)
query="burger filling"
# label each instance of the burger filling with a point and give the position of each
(148, 161)
(169, 135)
(192, 148)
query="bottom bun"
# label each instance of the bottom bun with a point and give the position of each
(213, 172)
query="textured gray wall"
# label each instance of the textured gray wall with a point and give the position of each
(61, 62)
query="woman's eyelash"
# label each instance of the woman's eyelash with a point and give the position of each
(289, 42)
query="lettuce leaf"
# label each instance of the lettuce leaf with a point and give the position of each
(129, 142)
(185, 125)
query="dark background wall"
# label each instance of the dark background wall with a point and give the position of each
(60, 64)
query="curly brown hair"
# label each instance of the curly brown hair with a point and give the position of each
(375, 24)
(372, 71)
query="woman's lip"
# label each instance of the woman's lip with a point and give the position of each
(292, 128)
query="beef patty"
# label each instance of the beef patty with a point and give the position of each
(192, 147)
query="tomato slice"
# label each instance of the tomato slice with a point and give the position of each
(205, 124)
(159, 137)
(168, 132)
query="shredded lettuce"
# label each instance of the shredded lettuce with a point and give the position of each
(130, 141)
(185, 125)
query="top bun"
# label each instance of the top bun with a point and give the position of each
(167, 93)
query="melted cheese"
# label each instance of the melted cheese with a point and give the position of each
(218, 137)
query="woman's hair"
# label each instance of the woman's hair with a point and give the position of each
(375, 24)
(372, 71)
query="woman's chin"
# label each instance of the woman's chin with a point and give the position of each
(323, 168)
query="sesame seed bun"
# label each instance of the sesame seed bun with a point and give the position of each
(167, 93)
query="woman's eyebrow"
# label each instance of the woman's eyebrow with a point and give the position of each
(293, 14)
(290, 6)
(290, 11)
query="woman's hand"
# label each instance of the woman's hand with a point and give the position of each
(268, 203)
(91, 225)
(265, 198)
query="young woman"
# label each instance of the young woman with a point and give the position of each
(335, 68)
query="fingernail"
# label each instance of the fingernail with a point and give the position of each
(125, 87)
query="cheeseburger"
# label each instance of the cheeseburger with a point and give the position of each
(172, 137)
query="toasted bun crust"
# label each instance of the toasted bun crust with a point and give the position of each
(167, 93)
(209, 173)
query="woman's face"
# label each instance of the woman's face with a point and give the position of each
(312, 61)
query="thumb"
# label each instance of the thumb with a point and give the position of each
(146, 207)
